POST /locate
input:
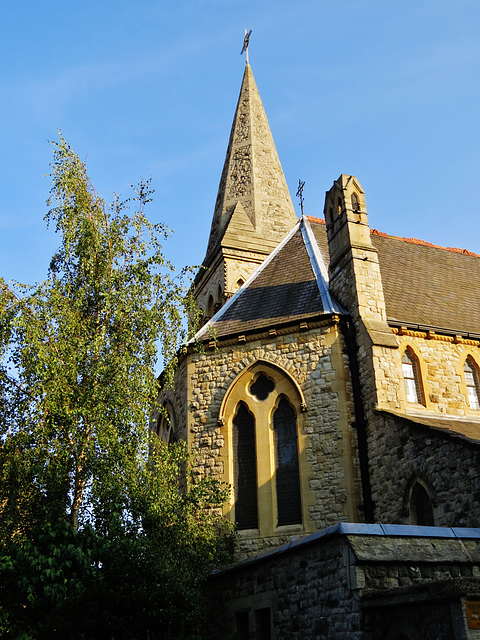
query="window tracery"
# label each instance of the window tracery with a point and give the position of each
(262, 387)
(262, 414)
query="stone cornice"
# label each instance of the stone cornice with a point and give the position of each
(433, 333)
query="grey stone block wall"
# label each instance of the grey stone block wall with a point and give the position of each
(449, 467)
(310, 359)
(337, 586)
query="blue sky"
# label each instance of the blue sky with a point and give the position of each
(385, 90)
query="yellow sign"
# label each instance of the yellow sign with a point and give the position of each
(473, 614)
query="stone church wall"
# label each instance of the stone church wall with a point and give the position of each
(441, 360)
(448, 467)
(316, 361)
(306, 594)
(352, 581)
(176, 396)
(400, 452)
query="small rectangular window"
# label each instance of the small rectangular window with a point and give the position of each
(263, 629)
(242, 625)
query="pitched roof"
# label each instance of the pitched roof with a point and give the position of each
(252, 175)
(445, 425)
(423, 284)
(429, 285)
(287, 287)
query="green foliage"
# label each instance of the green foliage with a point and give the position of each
(95, 512)
(132, 582)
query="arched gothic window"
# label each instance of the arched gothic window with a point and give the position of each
(218, 304)
(471, 379)
(289, 508)
(265, 449)
(210, 309)
(411, 377)
(355, 203)
(420, 507)
(245, 468)
(339, 206)
(166, 425)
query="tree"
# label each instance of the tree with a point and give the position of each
(81, 472)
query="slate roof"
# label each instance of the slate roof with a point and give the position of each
(429, 285)
(285, 290)
(423, 285)
(455, 426)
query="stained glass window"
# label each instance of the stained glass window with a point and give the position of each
(245, 468)
(286, 462)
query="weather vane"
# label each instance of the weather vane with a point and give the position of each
(300, 194)
(245, 43)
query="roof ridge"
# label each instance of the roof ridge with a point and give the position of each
(318, 266)
(424, 243)
(313, 219)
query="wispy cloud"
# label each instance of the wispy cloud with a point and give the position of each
(72, 82)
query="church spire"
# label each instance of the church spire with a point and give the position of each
(252, 176)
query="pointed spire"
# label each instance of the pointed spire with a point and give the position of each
(252, 175)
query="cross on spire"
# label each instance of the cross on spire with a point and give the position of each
(300, 193)
(245, 44)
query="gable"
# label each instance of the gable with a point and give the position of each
(284, 291)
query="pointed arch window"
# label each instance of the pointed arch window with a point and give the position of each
(218, 304)
(210, 307)
(245, 468)
(355, 203)
(265, 450)
(421, 509)
(166, 425)
(339, 207)
(411, 377)
(287, 473)
(472, 381)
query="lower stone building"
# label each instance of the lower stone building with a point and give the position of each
(355, 581)
(337, 391)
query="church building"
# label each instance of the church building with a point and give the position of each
(338, 393)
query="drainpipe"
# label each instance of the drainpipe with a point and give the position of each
(360, 423)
